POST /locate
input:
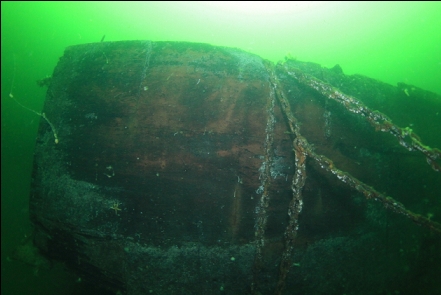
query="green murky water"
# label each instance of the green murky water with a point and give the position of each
(391, 42)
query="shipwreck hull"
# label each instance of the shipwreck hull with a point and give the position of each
(173, 174)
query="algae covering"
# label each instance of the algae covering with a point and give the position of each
(182, 168)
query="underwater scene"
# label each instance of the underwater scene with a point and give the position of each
(221, 148)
